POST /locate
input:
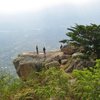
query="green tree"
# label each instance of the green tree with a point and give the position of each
(87, 36)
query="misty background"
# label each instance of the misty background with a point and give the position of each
(22, 31)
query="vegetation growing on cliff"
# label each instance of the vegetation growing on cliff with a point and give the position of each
(87, 84)
(8, 86)
(53, 83)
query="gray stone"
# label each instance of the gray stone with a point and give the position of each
(77, 54)
(52, 64)
(63, 62)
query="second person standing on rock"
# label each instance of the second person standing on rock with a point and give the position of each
(44, 51)
(37, 51)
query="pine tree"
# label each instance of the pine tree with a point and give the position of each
(87, 36)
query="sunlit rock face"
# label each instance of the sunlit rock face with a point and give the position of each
(26, 63)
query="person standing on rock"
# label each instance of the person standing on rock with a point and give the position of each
(37, 51)
(61, 47)
(44, 51)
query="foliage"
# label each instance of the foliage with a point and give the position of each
(87, 36)
(8, 85)
(87, 84)
(52, 83)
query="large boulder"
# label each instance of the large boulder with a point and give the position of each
(68, 49)
(26, 63)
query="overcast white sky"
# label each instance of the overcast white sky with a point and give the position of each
(16, 6)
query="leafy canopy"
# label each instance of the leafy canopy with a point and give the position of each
(86, 36)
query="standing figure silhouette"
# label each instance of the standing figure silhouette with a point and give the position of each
(44, 50)
(37, 51)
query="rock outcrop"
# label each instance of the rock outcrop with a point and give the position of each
(68, 59)
(69, 49)
(78, 63)
(28, 62)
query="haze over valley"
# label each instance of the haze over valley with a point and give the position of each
(20, 32)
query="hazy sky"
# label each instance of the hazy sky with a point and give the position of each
(17, 6)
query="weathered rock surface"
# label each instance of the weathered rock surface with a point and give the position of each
(64, 61)
(77, 54)
(53, 64)
(78, 63)
(25, 65)
(28, 62)
(68, 59)
(68, 49)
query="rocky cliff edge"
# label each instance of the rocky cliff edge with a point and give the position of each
(28, 62)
